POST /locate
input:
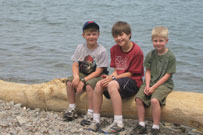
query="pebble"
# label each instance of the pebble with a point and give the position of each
(16, 119)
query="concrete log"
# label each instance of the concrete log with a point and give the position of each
(184, 108)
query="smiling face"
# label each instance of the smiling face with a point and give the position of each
(91, 37)
(159, 44)
(122, 39)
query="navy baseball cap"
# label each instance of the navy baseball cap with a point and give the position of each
(90, 24)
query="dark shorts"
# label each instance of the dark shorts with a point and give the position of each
(128, 88)
(92, 82)
(160, 93)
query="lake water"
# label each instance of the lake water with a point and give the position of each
(38, 37)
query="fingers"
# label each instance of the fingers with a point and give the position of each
(104, 76)
(79, 89)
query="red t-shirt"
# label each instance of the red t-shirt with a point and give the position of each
(131, 61)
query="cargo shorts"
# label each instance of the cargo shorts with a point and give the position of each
(160, 93)
(92, 82)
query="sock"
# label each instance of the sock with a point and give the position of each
(72, 106)
(96, 117)
(142, 123)
(90, 111)
(155, 126)
(119, 120)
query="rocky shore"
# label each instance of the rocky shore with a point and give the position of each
(18, 120)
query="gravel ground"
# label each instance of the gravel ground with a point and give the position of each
(18, 120)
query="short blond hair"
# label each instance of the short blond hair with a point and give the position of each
(160, 31)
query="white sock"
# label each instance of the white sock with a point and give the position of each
(96, 117)
(119, 120)
(90, 111)
(155, 126)
(142, 123)
(72, 106)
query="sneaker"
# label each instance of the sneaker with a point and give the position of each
(94, 126)
(70, 115)
(155, 131)
(139, 130)
(113, 128)
(86, 120)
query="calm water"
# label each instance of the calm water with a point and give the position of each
(38, 37)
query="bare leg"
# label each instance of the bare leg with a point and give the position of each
(113, 89)
(140, 110)
(156, 111)
(90, 92)
(70, 92)
(98, 97)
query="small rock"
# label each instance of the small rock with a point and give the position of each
(21, 120)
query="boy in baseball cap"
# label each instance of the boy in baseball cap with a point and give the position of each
(90, 61)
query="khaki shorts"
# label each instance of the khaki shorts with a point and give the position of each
(92, 82)
(160, 93)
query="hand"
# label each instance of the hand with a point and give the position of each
(75, 82)
(79, 89)
(105, 81)
(150, 91)
(146, 90)
(104, 76)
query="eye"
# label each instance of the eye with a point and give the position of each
(161, 41)
(155, 41)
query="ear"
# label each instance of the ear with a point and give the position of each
(130, 35)
(166, 40)
(83, 35)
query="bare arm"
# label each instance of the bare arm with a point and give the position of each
(76, 78)
(147, 77)
(94, 74)
(126, 74)
(108, 78)
(162, 80)
(157, 84)
(147, 81)
(75, 70)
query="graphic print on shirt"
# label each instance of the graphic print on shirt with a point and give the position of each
(121, 64)
(88, 65)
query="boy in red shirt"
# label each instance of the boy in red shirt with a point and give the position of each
(127, 61)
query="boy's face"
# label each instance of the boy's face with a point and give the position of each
(91, 37)
(159, 43)
(122, 39)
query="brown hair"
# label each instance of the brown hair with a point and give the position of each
(120, 27)
(90, 30)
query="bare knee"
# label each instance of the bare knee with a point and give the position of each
(154, 101)
(68, 84)
(113, 86)
(138, 101)
(98, 88)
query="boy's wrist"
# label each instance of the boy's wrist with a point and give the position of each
(76, 77)
(113, 77)
(83, 80)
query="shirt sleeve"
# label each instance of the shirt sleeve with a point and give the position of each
(75, 56)
(147, 61)
(112, 63)
(103, 60)
(171, 65)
